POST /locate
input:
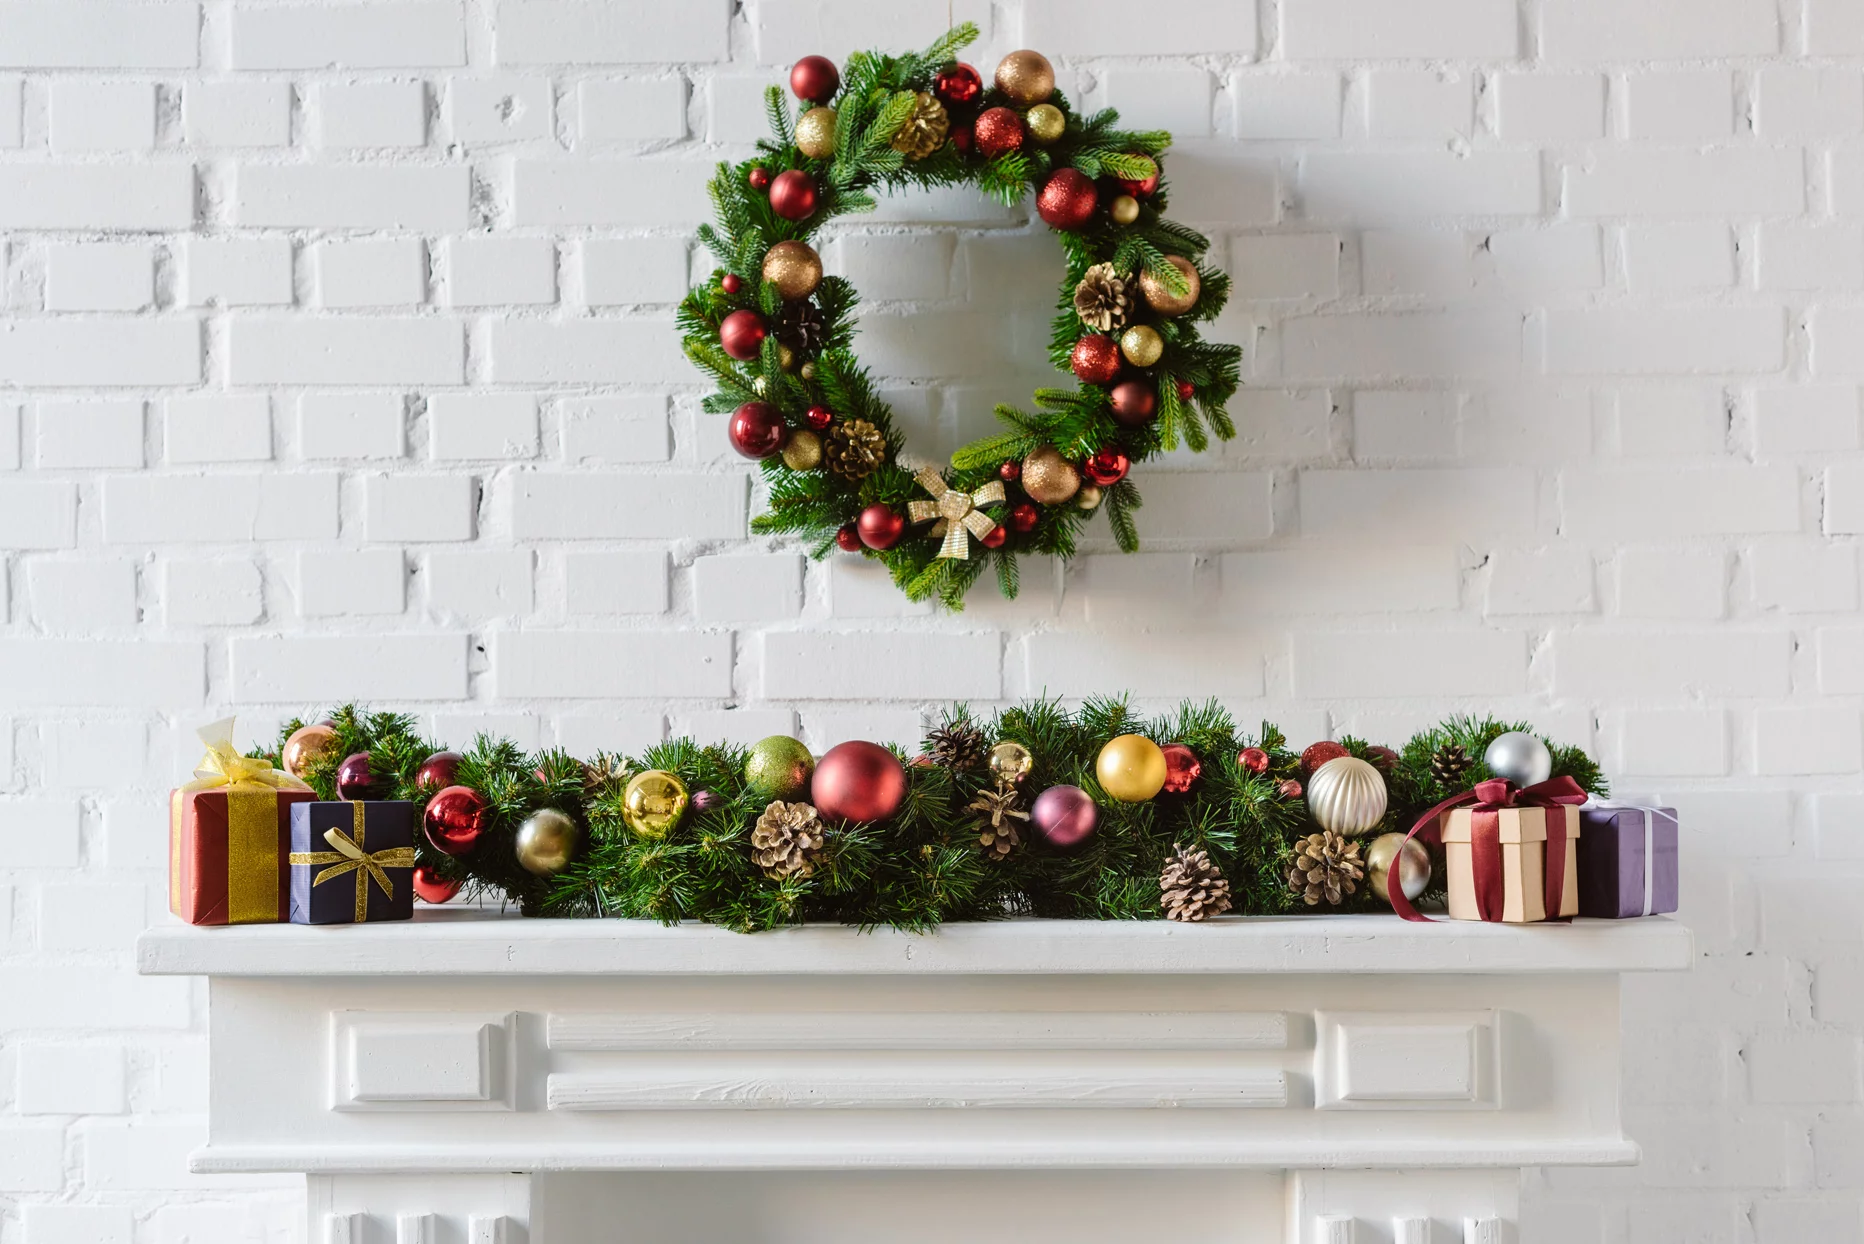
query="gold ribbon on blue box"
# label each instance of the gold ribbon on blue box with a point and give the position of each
(372, 842)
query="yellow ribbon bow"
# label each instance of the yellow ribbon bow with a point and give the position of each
(956, 512)
(349, 856)
(223, 765)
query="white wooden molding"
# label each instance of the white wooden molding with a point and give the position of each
(415, 1061)
(900, 1030)
(1407, 1060)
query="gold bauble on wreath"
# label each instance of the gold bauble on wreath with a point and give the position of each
(794, 268)
(1046, 123)
(1161, 299)
(1142, 345)
(309, 745)
(815, 133)
(1049, 478)
(1131, 768)
(547, 842)
(1124, 209)
(1088, 498)
(1010, 761)
(1026, 77)
(653, 803)
(803, 451)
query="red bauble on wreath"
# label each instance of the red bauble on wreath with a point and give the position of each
(431, 887)
(1186, 390)
(1096, 359)
(815, 79)
(742, 334)
(793, 195)
(438, 770)
(994, 538)
(958, 85)
(1010, 471)
(848, 539)
(999, 131)
(880, 527)
(758, 178)
(731, 282)
(1107, 466)
(1182, 768)
(356, 781)
(454, 819)
(1068, 199)
(1024, 517)
(858, 781)
(1141, 187)
(1134, 402)
(757, 430)
(1319, 754)
(819, 417)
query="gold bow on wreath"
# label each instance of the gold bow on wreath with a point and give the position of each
(955, 511)
(349, 856)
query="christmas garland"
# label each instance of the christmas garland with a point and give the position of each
(1037, 811)
(776, 334)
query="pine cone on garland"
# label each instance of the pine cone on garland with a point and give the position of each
(925, 131)
(855, 449)
(998, 833)
(1326, 866)
(801, 327)
(1102, 299)
(957, 745)
(1191, 888)
(603, 774)
(787, 839)
(1450, 764)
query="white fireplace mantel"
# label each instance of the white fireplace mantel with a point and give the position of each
(1346, 1080)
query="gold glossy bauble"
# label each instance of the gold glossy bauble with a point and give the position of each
(1413, 869)
(1124, 209)
(1010, 761)
(779, 767)
(803, 451)
(1142, 345)
(653, 803)
(307, 746)
(1026, 77)
(815, 133)
(786, 357)
(807, 370)
(1131, 768)
(760, 385)
(1161, 299)
(794, 268)
(547, 842)
(1346, 795)
(1049, 478)
(1046, 123)
(1088, 498)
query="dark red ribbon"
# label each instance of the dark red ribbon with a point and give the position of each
(1485, 845)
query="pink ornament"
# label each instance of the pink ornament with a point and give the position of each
(355, 779)
(1064, 816)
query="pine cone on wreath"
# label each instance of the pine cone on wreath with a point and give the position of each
(801, 327)
(925, 131)
(997, 833)
(1103, 298)
(1326, 868)
(787, 839)
(1191, 888)
(603, 774)
(958, 746)
(855, 449)
(1449, 764)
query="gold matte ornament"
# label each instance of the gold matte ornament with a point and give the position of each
(1049, 478)
(1124, 209)
(1046, 123)
(1010, 761)
(1089, 497)
(1142, 345)
(1161, 299)
(803, 451)
(794, 268)
(653, 803)
(815, 133)
(1026, 77)
(1131, 768)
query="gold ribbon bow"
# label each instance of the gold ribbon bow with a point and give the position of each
(956, 512)
(349, 856)
(223, 765)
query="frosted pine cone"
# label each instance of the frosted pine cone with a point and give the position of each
(1102, 299)
(1191, 888)
(787, 839)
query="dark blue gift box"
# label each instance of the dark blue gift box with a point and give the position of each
(1627, 861)
(352, 862)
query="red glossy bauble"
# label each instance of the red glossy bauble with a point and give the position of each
(454, 818)
(757, 430)
(1253, 759)
(742, 334)
(1067, 199)
(1096, 359)
(819, 417)
(439, 769)
(960, 84)
(1182, 768)
(1064, 816)
(858, 781)
(431, 887)
(1383, 758)
(731, 283)
(1142, 188)
(880, 527)
(1010, 471)
(994, 538)
(1289, 789)
(999, 131)
(1024, 517)
(1319, 754)
(356, 780)
(793, 195)
(815, 79)
(963, 136)
(1106, 467)
(1134, 402)
(848, 539)
(758, 178)
(1186, 390)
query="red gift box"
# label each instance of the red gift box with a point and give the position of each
(229, 837)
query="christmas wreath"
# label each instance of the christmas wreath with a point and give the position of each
(1038, 811)
(776, 334)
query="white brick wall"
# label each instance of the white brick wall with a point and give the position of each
(339, 362)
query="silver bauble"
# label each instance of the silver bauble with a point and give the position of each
(547, 842)
(1346, 795)
(1413, 867)
(1520, 757)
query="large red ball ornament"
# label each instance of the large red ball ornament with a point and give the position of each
(1106, 467)
(742, 334)
(438, 770)
(1024, 517)
(879, 527)
(1064, 816)
(1134, 402)
(858, 781)
(454, 818)
(1182, 768)
(960, 84)
(356, 781)
(757, 430)
(431, 887)
(1140, 188)
(1096, 359)
(1067, 200)
(815, 79)
(848, 539)
(793, 195)
(998, 131)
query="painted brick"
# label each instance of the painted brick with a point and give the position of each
(369, 114)
(1672, 583)
(1724, 181)
(788, 29)
(373, 272)
(1388, 185)
(356, 351)
(1411, 344)
(1329, 579)
(1555, 579)
(74, 1079)
(1674, 742)
(1404, 425)
(1675, 258)
(363, 425)
(630, 428)
(124, 352)
(1419, 103)
(237, 272)
(212, 592)
(391, 35)
(1794, 256)
(317, 668)
(1672, 664)
(565, 506)
(1844, 499)
(351, 583)
(52, 34)
(1178, 98)
(78, 1224)
(1795, 577)
(1286, 105)
(218, 509)
(141, 198)
(590, 351)
(603, 192)
(494, 271)
(1469, 503)
(1798, 741)
(473, 426)
(1105, 28)
(1549, 107)
(484, 111)
(1841, 661)
(1630, 30)
(621, 271)
(236, 114)
(88, 434)
(92, 117)
(1674, 341)
(100, 276)
(1808, 103)
(82, 595)
(1207, 506)
(213, 428)
(747, 587)
(619, 665)
(489, 583)
(353, 196)
(596, 584)
(1090, 663)
(1384, 664)
(882, 665)
(419, 507)
(1693, 502)
(631, 110)
(90, 673)
(1680, 105)
(1426, 30)
(578, 32)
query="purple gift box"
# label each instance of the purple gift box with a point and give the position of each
(352, 862)
(1627, 861)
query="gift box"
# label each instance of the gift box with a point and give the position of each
(1512, 864)
(352, 862)
(229, 830)
(1627, 861)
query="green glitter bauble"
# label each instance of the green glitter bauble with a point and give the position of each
(779, 768)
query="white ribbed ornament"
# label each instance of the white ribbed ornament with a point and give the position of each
(1346, 795)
